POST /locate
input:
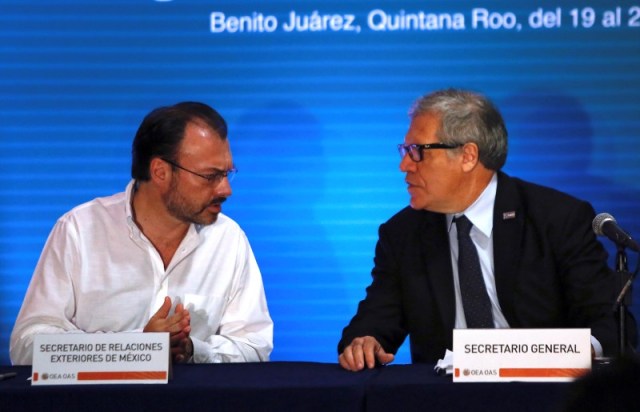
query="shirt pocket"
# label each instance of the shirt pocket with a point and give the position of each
(206, 313)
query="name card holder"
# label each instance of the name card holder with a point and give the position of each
(507, 355)
(100, 358)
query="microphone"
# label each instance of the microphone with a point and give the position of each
(605, 225)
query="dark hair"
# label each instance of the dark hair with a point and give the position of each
(162, 130)
(468, 117)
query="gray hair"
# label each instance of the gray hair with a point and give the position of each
(467, 117)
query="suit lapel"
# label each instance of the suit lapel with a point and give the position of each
(437, 262)
(508, 227)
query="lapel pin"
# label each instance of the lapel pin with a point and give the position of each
(509, 215)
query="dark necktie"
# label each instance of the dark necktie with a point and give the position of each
(475, 300)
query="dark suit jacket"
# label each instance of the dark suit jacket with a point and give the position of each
(550, 272)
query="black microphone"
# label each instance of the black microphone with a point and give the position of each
(605, 225)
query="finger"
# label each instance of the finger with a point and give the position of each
(158, 320)
(343, 361)
(179, 308)
(358, 354)
(175, 339)
(384, 357)
(183, 351)
(346, 359)
(186, 317)
(178, 322)
(163, 312)
(178, 350)
(178, 354)
(178, 336)
(369, 349)
(177, 327)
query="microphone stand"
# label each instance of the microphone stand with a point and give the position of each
(624, 298)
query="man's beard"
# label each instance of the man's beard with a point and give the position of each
(180, 208)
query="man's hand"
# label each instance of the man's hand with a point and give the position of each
(183, 351)
(179, 327)
(361, 351)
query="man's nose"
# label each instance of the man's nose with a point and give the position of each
(406, 164)
(224, 188)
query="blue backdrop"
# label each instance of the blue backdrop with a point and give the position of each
(315, 110)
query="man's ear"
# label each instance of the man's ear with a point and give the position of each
(470, 155)
(160, 171)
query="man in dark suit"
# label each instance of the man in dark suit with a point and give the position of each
(538, 261)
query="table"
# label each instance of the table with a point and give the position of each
(415, 387)
(285, 386)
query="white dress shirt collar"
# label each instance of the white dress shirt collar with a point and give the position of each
(480, 213)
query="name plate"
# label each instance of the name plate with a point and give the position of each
(75, 358)
(534, 355)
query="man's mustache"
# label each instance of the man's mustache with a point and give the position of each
(218, 201)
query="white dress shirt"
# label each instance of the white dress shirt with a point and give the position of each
(480, 213)
(99, 273)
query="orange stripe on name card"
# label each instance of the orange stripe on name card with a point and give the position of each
(542, 372)
(121, 376)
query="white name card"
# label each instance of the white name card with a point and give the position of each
(75, 358)
(534, 355)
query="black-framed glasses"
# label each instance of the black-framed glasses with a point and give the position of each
(214, 178)
(415, 150)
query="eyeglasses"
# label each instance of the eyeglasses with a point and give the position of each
(415, 150)
(214, 178)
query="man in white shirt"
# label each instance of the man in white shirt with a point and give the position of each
(159, 257)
